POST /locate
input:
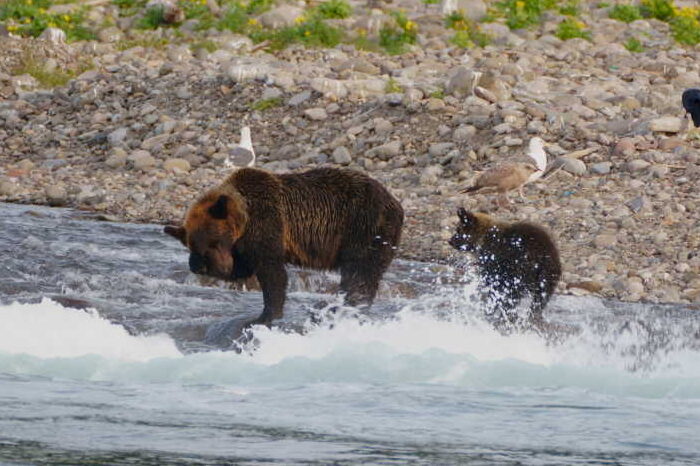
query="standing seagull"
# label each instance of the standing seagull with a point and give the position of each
(691, 104)
(510, 176)
(242, 154)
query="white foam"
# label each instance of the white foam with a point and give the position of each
(49, 330)
(413, 347)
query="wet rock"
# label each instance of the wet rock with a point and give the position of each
(56, 196)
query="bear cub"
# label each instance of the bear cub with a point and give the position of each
(515, 261)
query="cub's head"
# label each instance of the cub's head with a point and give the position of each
(472, 230)
(212, 225)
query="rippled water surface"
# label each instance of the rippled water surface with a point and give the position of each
(112, 353)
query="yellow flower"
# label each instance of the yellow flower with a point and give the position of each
(252, 22)
(27, 20)
(28, 2)
(52, 25)
(410, 26)
(299, 19)
(42, 10)
(66, 18)
(307, 33)
(361, 32)
(12, 28)
(519, 5)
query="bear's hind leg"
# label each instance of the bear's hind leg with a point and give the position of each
(360, 275)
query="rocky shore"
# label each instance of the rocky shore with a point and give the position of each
(144, 130)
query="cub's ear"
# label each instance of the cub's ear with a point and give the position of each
(464, 216)
(219, 209)
(176, 232)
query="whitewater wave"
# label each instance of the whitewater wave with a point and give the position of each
(47, 339)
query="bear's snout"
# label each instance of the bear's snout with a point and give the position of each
(197, 263)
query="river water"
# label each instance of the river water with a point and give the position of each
(111, 352)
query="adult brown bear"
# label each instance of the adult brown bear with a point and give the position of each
(255, 222)
(514, 260)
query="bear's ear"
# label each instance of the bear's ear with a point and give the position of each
(219, 209)
(177, 232)
(466, 217)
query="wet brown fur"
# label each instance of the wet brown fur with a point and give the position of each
(515, 260)
(255, 222)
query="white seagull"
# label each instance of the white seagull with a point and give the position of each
(241, 154)
(536, 152)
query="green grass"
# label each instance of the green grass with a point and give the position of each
(30, 18)
(634, 45)
(33, 66)
(468, 33)
(392, 87)
(334, 9)
(569, 8)
(625, 13)
(208, 45)
(572, 29)
(659, 9)
(266, 104)
(686, 30)
(158, 43)
(520, 14)
(152, 19)
(439, 94)
(395, 39)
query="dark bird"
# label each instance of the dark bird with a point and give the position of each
(691, 104)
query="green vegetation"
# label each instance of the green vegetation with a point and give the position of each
(392, 87)
(524, 13)
(438, 94)
(265, 104)
(334, 9)
(625, 13)
(394, 39)
(31, 17)
(47, 78)
(634, 45)
(317, 28)
(569, 8)
(571, 28)
(468, 33)
(208, 45)
(686, 29)
(152, 19)
(145, 42)
(659, 9)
